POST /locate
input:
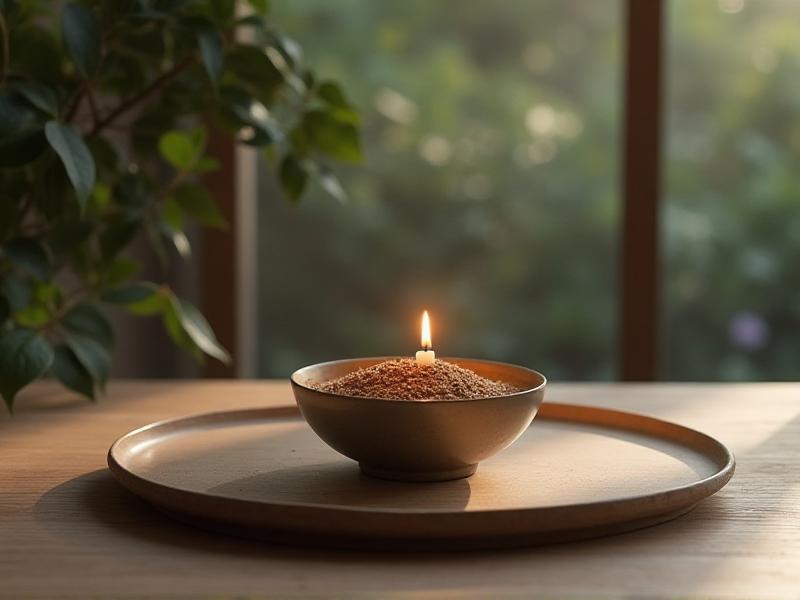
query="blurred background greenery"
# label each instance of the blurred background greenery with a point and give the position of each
(732, 191)
(491, 192)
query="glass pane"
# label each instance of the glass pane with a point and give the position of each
(732, 306)
(489, 196)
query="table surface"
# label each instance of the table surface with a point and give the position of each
(68, 530)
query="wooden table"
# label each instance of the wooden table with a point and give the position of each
(67, 529)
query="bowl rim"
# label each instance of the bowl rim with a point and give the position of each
(541, 386)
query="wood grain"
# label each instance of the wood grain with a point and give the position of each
(68, 530)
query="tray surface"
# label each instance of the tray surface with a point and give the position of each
(577, 472)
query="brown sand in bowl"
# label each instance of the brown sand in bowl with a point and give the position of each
(403, 379)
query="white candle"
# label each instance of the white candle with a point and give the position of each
(426, 356)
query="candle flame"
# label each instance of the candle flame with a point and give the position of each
(426, 331)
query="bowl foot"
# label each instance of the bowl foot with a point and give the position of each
(459, 473)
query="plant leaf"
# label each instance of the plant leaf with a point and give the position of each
(54, 188)
(180, 149)
(24, 356)
(70, 372)
(9, 217)
(36, 51)
(177, 334)
(206, 164)
(81, 33)
(116, 235)
(211, 50)
(16, 115)
(92, 355)
(252, 67)
(181, 243)
(21, 149)
(154, 231)
(199, 331)
(245, 110)
(262, 6)
(290, 49)
(47, 292)
(210, 42)
(155, 303)
(337, 138)
(338, 106)
(119, 270)
(331, 184)
(331, 93)
(75, 156)
(172, 214)
(39, 95)
(132, 191)
(87, 320)
(293, 177)
(198, 203)
(21, 136)
(29, 255)
(17, 292)
(106, 158)
(223, 10)
(32, 316)
(129, 294)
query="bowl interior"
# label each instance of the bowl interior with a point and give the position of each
(525, 379)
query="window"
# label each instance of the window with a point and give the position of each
(731, 194)
(490, 195)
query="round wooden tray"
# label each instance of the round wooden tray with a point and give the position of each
(577, 472)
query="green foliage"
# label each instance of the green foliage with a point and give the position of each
(194, 325)
(104, 113)
(39, 95)
(195, 202)
(182, 150)
(293, 176)
(24, 356)
(81, 33)
(77, 159)
(730, 235)
(69, 370)
(210, 42)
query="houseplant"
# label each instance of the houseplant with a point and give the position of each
(105, 107)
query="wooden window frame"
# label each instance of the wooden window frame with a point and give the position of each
(228, 258)
(640, 272)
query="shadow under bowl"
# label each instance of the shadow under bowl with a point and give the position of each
(418, 440)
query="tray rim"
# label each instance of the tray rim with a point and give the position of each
(549, 411)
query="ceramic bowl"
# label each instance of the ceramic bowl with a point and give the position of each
(418, 440)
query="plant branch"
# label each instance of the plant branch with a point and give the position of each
(125, 106)
(92, 106)
(27, 202)
(75, 104)
(180, 177)
(72, 299)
